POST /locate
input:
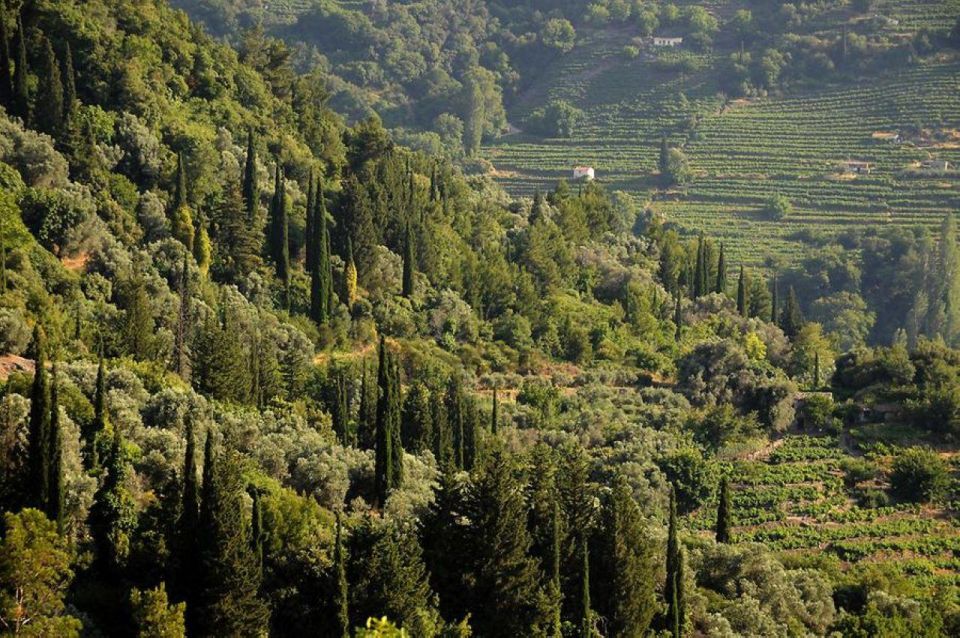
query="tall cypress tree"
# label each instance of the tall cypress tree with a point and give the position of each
(408, 263)
(671, 592)
(774, 301)
(230, 580)
(49, 107)
(791, 320)
(321, 273)
(6, 64)
(442, 444)
(257, 535)
(367, 417)
(816, 369)
(677, 321)
(417, 422)
(349, 276)
(743, 304)
(70, 103)
(555, 593)
(279, 242)
(113, 516)
(308, 230)
(586, 615)
(55, 496)
(723, 513)
(181, 218)
(251, 187)
(340, 590)
(454, 401)
(99, 412)
(181, 351)
(494, 413)
(38, 482)
(339, 408)
(388, 471)
(664, 162)
(21, 88)
(188, 525)
(721, 286)
(948, 280)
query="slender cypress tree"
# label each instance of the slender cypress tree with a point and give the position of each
(396, 408)
(308, 231)
(586, 615)
(721, 272)
(113, 516)
(99, 412)
(791, 320)
(340, 409)
(673, 615)
(417, 422)
(367, 418)
(257, 536)
(700, 270)
(49, 106)
(677, 321)
(555, 593)
(69, 86)
(251, 188)
(816, 370)
(340, 592)
(673, 559)
(349, 276)
(408, 263)
(188, 525)
(494, 413)
(6, 64)
(442, 444)
(388, 474)
(181, 352)
(39, 435)
(181, 218)
(455, 411)
(279, 241)
(724, 511)
(55, 495)
(743, 305)
(774, 301)
(321, 274)
(21, 89)
(664, 162)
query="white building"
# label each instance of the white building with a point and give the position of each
(585, 173)
(659, 41)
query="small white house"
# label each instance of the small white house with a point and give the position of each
(584, 173)
(660, 41)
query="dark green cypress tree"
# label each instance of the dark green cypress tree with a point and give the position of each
(339, 408)
(181, 361)
(70, 102)
(494, 414)
(721, 286)
(228, 595)
(113, 516)
(663, 163)
(409, 265)
(21, 87)
(791, 320)
(724, 512)
(359, 219)
(624, 568)
(554, 593)
(416, 431)
(38, 480)
(340, 591)
(699, 277)
(257, 535)
(673, 558)
(180, 192)
(6, 64)
(321, 275)
(774, 301)
(188, 525)
(384, 470)
(673, 615)
(396, 408)
(308, 231)
(455, 409)
(677, 321)
(49, 106)
(586, 614)
(279, 238)
(816, 370)
(442, 444)
(251, 187)
(99, 424)
(55, 496)
(743, 304)
(537, 209)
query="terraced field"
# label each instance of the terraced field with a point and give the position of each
(795, 501)
(745, 151)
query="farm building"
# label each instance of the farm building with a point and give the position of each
(585, 173)
(660, 41)
(856, 167)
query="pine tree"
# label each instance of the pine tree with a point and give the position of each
(409, 265)
(586, 615)
(38, 482)
(721, 286)
(21, 90)
(49, 105)
(279, 240)
(743, 305)
(624, 566)
(55, 496)
(229, 584)
(340, 591)
(791, 320)
(6, 64)
(181, 218)
(238, 239)
(113, 516)
(507, 596)
(70, 103)
(724, 508)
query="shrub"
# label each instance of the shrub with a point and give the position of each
(918, 475)
(777, 207)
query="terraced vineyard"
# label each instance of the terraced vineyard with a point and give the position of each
(745, 151)
(795, 501)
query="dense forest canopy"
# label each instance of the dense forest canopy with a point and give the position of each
(265, 369)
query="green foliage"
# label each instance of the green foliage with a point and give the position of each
(154, 616)
(918, 475)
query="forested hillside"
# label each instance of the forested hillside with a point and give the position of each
(266, 370)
